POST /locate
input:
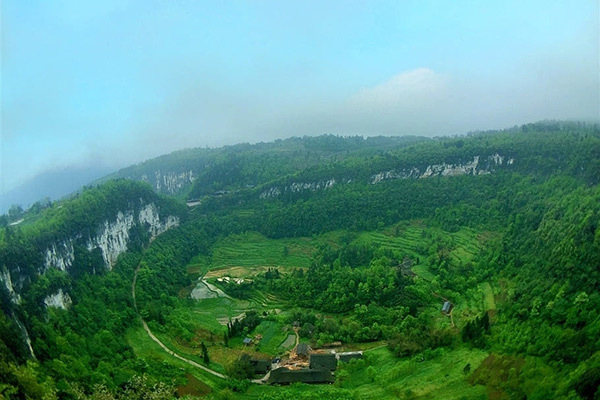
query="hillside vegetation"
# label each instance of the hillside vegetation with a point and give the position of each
(350, 240)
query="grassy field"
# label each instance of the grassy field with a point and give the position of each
(273, 336)
(488, 297)
(146, 349)
(246, 254)
(207, 313)
(252, 250)
(439, 378)
(381, 375)
(412, 238)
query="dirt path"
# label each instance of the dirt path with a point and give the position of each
(441, 297)
(215, 289)
(161, 344)
(263, 380)
(192, 363)
(488, 297)
(294, 350)
(376, 347)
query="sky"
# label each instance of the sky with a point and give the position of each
(104, 84)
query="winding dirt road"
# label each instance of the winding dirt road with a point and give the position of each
(161, 344)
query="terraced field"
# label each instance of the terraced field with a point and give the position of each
(412, 240)
(251, 253)
(273, 336)
(254, 250)
(381, 376)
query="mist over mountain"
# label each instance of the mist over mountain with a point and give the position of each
(339, 200)
(185, 75)
(53, 184)
(459, 268)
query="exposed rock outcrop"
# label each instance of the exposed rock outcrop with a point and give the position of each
(168, 181)
(475, 167)
(58, 300)
(296, 187)
(60, 255)
(112, 237)
(8, 284)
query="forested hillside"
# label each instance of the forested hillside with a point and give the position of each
(348, 242)
(196, 172)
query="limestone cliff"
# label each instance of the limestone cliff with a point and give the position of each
(477, 166)
(112, 237)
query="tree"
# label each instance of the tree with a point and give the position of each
(467, 369)
(205, 357)
(241, 368)
(15, 212)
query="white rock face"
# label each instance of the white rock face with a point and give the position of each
(149, 215)
(271, 192)
(112, 238)
(60, 255)
(474, 167)
(296, 187)
(172, 182)
(497, 159)
(392, 174)
(25, 335)
(7, 282)
(58, 300)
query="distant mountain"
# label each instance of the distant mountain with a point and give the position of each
(502, 224)
(193, 173)
(53, 184)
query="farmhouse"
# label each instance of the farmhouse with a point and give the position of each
(284, 376)
(350, 355)
(326, 362)
(260, 366)
(447, 307)
(247, 341)
(303, 350)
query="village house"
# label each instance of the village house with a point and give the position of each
(260, 366)
(303, 350)
(447, 307)
(323, 361)
(349, 355)
(284, 376)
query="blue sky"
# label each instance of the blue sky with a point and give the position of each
(114, 82)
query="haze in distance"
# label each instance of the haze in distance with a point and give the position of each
(88, 88)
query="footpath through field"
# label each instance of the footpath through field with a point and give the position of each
(161, 344)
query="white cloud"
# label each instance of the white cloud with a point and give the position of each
(407, 90)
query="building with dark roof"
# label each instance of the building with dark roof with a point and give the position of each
(284, 376)
(327, 362)
(303, 350)
(351, 355)
(447, 307)
(260, 366)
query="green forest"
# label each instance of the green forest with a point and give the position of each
(331, 242)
